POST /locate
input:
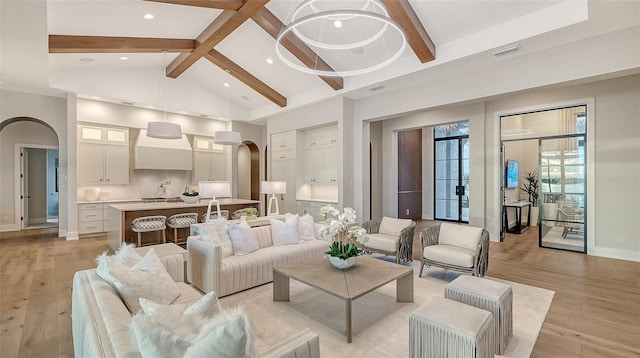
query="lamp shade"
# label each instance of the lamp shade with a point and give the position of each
(164, 130)
(227, 137)
(273, 187)
(210, 189)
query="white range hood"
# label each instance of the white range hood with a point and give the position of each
(154, 153)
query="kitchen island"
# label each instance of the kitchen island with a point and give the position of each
(120, 216)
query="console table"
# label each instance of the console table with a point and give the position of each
(518, 205)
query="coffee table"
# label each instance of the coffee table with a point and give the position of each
(367, 275)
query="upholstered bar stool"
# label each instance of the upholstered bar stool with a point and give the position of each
(149, 224)
(181, 221)
(445, 328)
(489, 295)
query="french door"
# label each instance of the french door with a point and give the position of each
(452, 178)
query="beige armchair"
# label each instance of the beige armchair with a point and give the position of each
(391, 237)
(455, 247)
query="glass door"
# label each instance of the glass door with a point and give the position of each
(562, 193)
(452, 178)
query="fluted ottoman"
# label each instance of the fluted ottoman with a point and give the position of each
(489, 295)
(445, 328)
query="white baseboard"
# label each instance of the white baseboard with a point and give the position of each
(9, 227)
(72, 236)
(615, 253)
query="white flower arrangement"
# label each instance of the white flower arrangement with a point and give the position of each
(344, 230)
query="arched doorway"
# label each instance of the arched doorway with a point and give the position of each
(248, 171)
(29, 178)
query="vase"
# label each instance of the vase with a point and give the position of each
(189, 199)
(534, 216)
(342, 264)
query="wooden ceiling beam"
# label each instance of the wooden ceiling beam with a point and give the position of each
(220, 28)
(272, 25)
(245, 77)
(417, 37)
(108, 44)
(212, 4)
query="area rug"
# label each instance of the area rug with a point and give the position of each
(554, 239)
(380, 324)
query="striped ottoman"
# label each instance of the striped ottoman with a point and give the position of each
(445, 328)
(489, 295)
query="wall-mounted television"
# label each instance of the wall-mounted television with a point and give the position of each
(512, 173)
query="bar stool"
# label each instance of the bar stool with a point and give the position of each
(214, 215)
(181, 221)
(148, 224)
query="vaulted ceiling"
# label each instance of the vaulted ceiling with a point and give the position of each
(76, 46)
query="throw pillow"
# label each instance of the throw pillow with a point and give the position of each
(183, 320)
(148, 278)
(228, 334)
(218, 231)
(128, 254)
(284, 233)
(243, 239)
(306, 226)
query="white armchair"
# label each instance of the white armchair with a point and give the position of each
(455, 247)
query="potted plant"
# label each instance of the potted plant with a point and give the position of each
(189, 196)
(343, 252)
(531, 188)
(250, 214)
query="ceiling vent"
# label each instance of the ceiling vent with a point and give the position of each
(376, 88)
(506, 50)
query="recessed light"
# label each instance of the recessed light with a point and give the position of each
(226, 84)
(123, 58)
(87, 59)
(148, 16)
(337, 23)
(151, 107)
(183, 112)
(270, 61)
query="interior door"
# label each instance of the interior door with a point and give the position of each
(24, 187)
(452, 179)
(562, 193)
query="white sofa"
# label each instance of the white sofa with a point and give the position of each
(209, 271)
(100, 319)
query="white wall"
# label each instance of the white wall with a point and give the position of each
(50, 110)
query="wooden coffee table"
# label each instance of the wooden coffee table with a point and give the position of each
(367, 275)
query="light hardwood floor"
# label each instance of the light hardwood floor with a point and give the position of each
(595, 311)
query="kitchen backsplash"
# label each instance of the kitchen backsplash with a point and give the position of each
(145, 184)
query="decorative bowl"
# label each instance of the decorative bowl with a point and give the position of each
(190, 199)
(343, 264)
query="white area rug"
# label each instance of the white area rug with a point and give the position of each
(380, 325)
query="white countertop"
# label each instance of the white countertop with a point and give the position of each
(319, 200)
(109, 201)
(165, 205)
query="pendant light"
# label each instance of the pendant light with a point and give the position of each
(163, 129)
(227, 137)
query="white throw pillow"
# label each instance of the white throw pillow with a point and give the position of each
(284, 233)
(183, 320)
(460, 235)
(243, 239)
(306, 226)
(148, 278)
(228, 334)
(218, 231)
(128, 254)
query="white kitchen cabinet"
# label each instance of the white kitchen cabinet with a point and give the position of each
(320, 156)
(312, 208)
(103, 155)
(283, 141)
(209, 160)
(285, 170)
(91, 218)
(209, 166)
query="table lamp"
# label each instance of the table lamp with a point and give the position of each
(273, 188)
(212, 189)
